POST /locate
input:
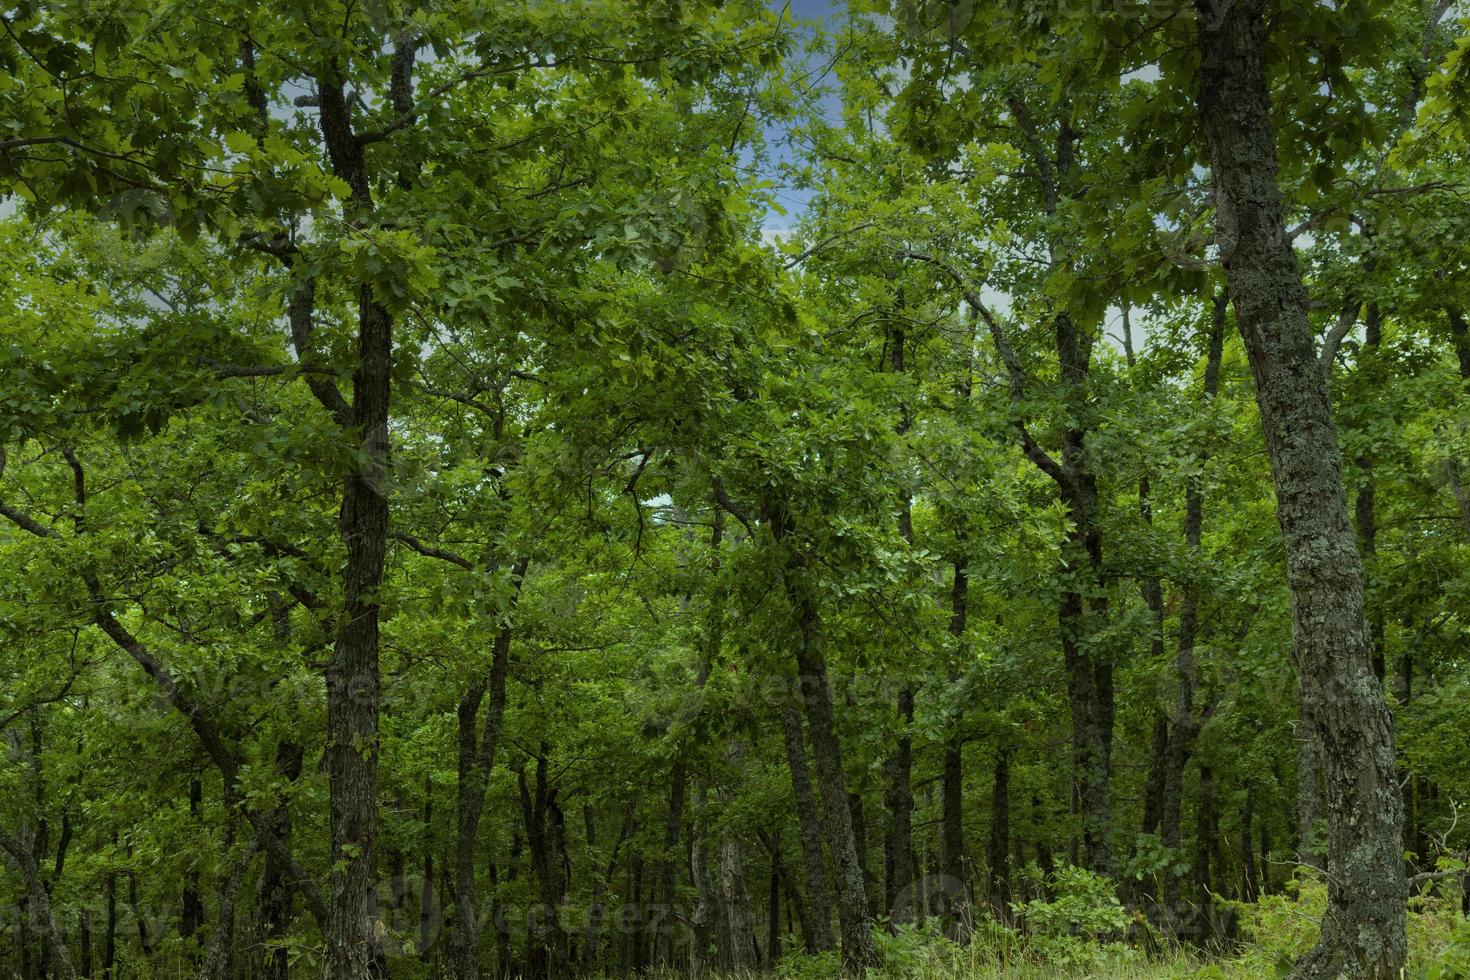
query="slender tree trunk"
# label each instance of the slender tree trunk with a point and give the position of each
(1250, 878)
(898, 858)
(1454, 474)
(952, 805)
(39, 901)
(794, 904)
(773, 910)
(218, 959)
(1083, 606)
(274, 892)
(1365, 507)
(997, 852)
(1185, 725)
(544, 830)
(898, 839)
(1153, 789)
(191, 911)
(809, 826)
(1363, 929)
(427, 917)
(1206, 826)
(109, 929)
(1152, 589)
(476, 760)
(853, 915)
(1263, 823)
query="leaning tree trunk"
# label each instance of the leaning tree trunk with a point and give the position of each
(39, 904)
(1363, 930)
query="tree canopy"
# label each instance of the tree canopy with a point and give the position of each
(457, 520)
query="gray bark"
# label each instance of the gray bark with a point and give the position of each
(1363, 930)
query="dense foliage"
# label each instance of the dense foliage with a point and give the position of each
(449, 530)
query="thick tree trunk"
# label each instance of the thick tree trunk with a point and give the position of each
(353, 937)
(738, 928)
(1363, 929)
(809, 826)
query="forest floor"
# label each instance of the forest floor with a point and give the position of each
(1274, 932)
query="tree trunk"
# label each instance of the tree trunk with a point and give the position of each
(39, 902)
(426, 886)
(1153, 788)
(738, 928)
(898, 839)
(544, 830)
(997, 852)
(853, 915)
(1250, 882)
(274, 892)
(1089, 669)
(191, 910)
(704, 899)
(109, 928)
(952, 789)
(476, 760)
(809, 826)
(353, 936)
(898, 844)
(773, 910)
(794, 903)
(1206, 827)
(1185, 725)
(1363, 929)
(1365, 510)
